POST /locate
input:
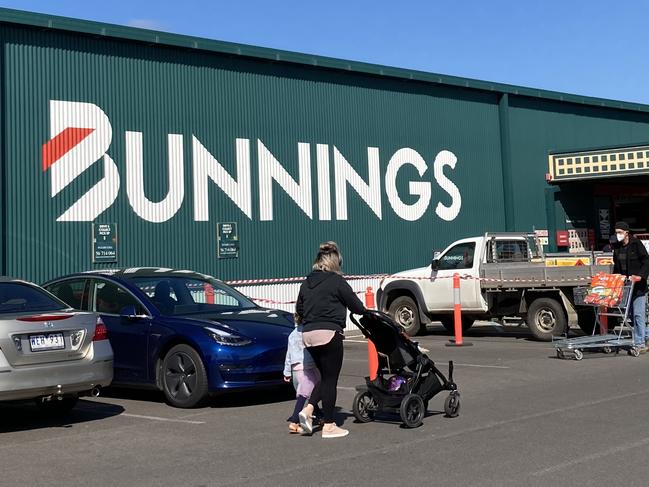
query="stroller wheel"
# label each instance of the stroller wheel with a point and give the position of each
(412, 410)
(364, 407)
(452, 406)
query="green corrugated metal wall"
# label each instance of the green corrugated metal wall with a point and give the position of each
(159, 90)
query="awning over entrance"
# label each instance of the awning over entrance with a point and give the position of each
(591, 164)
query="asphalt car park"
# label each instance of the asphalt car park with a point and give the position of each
(527, 418)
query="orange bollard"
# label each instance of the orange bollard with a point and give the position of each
(209, 293)
(372, 360)
(457, 309)
(372, 354)
(603, 321)
(369, 298)
(457, 315)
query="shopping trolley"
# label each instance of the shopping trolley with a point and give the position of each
(611, 295)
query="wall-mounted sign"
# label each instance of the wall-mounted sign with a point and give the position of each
(228, 240)
(604, 222)
(104, 242)
(625, 161)
(563, 238)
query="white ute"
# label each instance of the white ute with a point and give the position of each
(504, 275)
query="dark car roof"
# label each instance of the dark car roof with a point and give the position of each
(13, 279)
(130, 272)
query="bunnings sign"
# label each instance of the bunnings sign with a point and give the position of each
(81, 135)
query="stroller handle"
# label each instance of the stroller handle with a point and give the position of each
(354, 320)
(367, 312)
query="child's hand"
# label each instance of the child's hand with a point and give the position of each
(287, 379)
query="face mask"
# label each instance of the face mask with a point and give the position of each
(619, 236)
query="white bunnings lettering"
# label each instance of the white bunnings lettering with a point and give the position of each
(65, 114)
(417, 188)
(81, 135)
(270, 169)
(206, 167)
(142, 206)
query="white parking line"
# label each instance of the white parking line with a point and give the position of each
(482, 366)
(157, 418)
(594, 456)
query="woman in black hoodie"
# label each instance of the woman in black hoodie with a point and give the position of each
(322, 308)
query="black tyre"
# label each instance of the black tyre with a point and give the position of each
(56, 406)
(412, 410)
(364, 407)
(586, 319)
(546, 318)
(404, 312)
(452, 406)
(184, 380)
(448, 321)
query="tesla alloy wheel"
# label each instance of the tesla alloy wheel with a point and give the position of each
(184, 381)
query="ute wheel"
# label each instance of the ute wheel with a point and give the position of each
(412, 410)
(405, 313)
(184, 380)
(57, 407)
(546, 318)
(448, 321)
(452, 406)
(364, 407)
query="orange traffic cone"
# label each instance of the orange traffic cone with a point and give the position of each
(372, 354)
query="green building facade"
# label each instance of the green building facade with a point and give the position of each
(164, 137)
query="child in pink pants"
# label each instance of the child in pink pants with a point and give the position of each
(300, 367)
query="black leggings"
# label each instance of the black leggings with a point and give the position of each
(329, 360)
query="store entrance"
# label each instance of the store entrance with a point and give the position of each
(627, 200)
(588, 210)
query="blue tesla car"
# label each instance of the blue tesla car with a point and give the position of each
(181, 332)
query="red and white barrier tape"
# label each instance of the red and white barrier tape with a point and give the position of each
(288, 280)
(395, 276)
(272, 301)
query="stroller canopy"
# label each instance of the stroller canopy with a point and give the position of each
(389, 339)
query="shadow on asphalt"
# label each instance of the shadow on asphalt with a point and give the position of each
(134, 394)
(253, 397)
(224, 400)
(388, 417)
(491, 331)
(25, 416)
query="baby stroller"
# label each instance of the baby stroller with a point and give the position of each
(407, 379)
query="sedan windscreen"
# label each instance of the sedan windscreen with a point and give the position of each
(17, 297)
(181, 295)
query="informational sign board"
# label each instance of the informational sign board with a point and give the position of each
(563, 238)
(567, 261)
(542, 236)
(104, 242)
(228, 240)
(604, 222)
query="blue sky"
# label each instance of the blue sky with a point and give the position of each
(595, 48)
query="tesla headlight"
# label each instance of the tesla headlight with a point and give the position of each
(223, 337)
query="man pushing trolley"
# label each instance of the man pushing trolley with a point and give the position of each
(621, 296)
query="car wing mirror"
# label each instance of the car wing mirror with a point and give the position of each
(434, 265)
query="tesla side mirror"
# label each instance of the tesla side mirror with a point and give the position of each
(128, 312)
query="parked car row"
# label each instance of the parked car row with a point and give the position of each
(181, 332)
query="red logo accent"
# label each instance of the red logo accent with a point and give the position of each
(60, 145)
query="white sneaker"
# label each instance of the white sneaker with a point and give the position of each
(306, 422)
(334, 432)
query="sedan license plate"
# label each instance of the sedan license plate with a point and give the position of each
(52, 341)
